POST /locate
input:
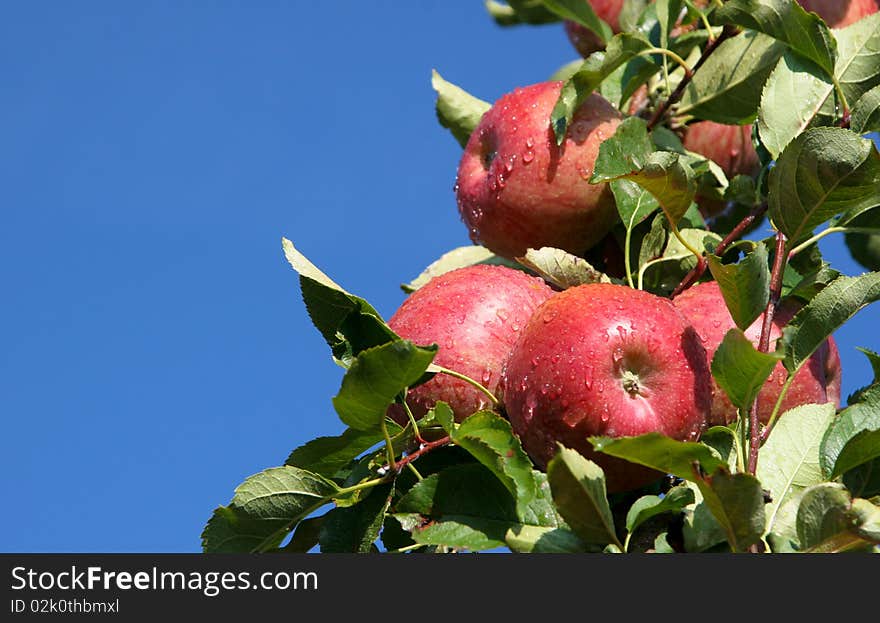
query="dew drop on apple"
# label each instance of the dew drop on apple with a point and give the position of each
(528, 156)
(501, 314)
(716, 323)
(514, 327)
(487, 376)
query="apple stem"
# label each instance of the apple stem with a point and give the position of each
(469, 380)
(728, 32)
(696, 272)
(389, 446)
(779, 260)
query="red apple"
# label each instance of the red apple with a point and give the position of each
(584, 40)
(474, 315)
(730, 146)
(516, 189)
(840, 13)
(604, 359)
(818, 381)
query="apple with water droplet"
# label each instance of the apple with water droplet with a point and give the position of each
(606, 360)
(840, 13)
(474, 314)
(516, 189)
(818, 381)
(584, 40)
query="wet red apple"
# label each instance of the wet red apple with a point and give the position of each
(516, 189)
(840, 13)
(605, 359)
(818, 381)
(474, 315)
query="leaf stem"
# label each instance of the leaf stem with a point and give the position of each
(389, 446)
(779, 260)
(469, 380)
(626, 259)
(728, 32)
(827, 231)
(688, 72)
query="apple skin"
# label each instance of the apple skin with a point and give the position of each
(840, 13)
(818, 381)
(474, 314)
(730, 146)
(606, 359)
(585, 40)
(516, 189)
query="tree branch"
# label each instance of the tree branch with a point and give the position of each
(779, 260)
(727, 32)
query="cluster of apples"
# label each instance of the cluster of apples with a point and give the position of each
(591, 360)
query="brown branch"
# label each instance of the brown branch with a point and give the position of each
(697, 271)
(779, 260)
(424, 448)
(727, 32)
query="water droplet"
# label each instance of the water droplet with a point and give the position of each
(530, 143)
(545, 388)
(716, 323)
(528, 156)
(501, 314)
(487, 375)
(514, 327)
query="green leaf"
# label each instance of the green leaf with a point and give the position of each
(264, 509)
(788, 22)
(829, 520)
(489, 438)
(541, 540)
(460, 257)
(649, 506)
(684, 459)
(328, 455)
(745, 286)
(737, 502)
(667, 177)
(793, 97)
(620, 49)
(854, 437)
(727, 88)
(467, 506)
(457, 110)
(668, 13)
(582, 13)
(578, 487)
(823, 172)
(829, 310)
(305, 536)
(788, 461)
(799, 94)
(348, 323)
(634, 203)
(516, 12)
(627, 150)
(806, 275)
(376, 377)
(356, 528)
(865, 116)
(741, 370)
(561, 268)
(864, 480)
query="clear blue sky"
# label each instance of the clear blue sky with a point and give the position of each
(155, 349)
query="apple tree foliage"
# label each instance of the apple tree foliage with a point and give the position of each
(437, 485)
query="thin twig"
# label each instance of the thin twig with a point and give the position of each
(697, 271)
(727, 32)
(779, 260)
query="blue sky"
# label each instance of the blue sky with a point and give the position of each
(156, 351)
